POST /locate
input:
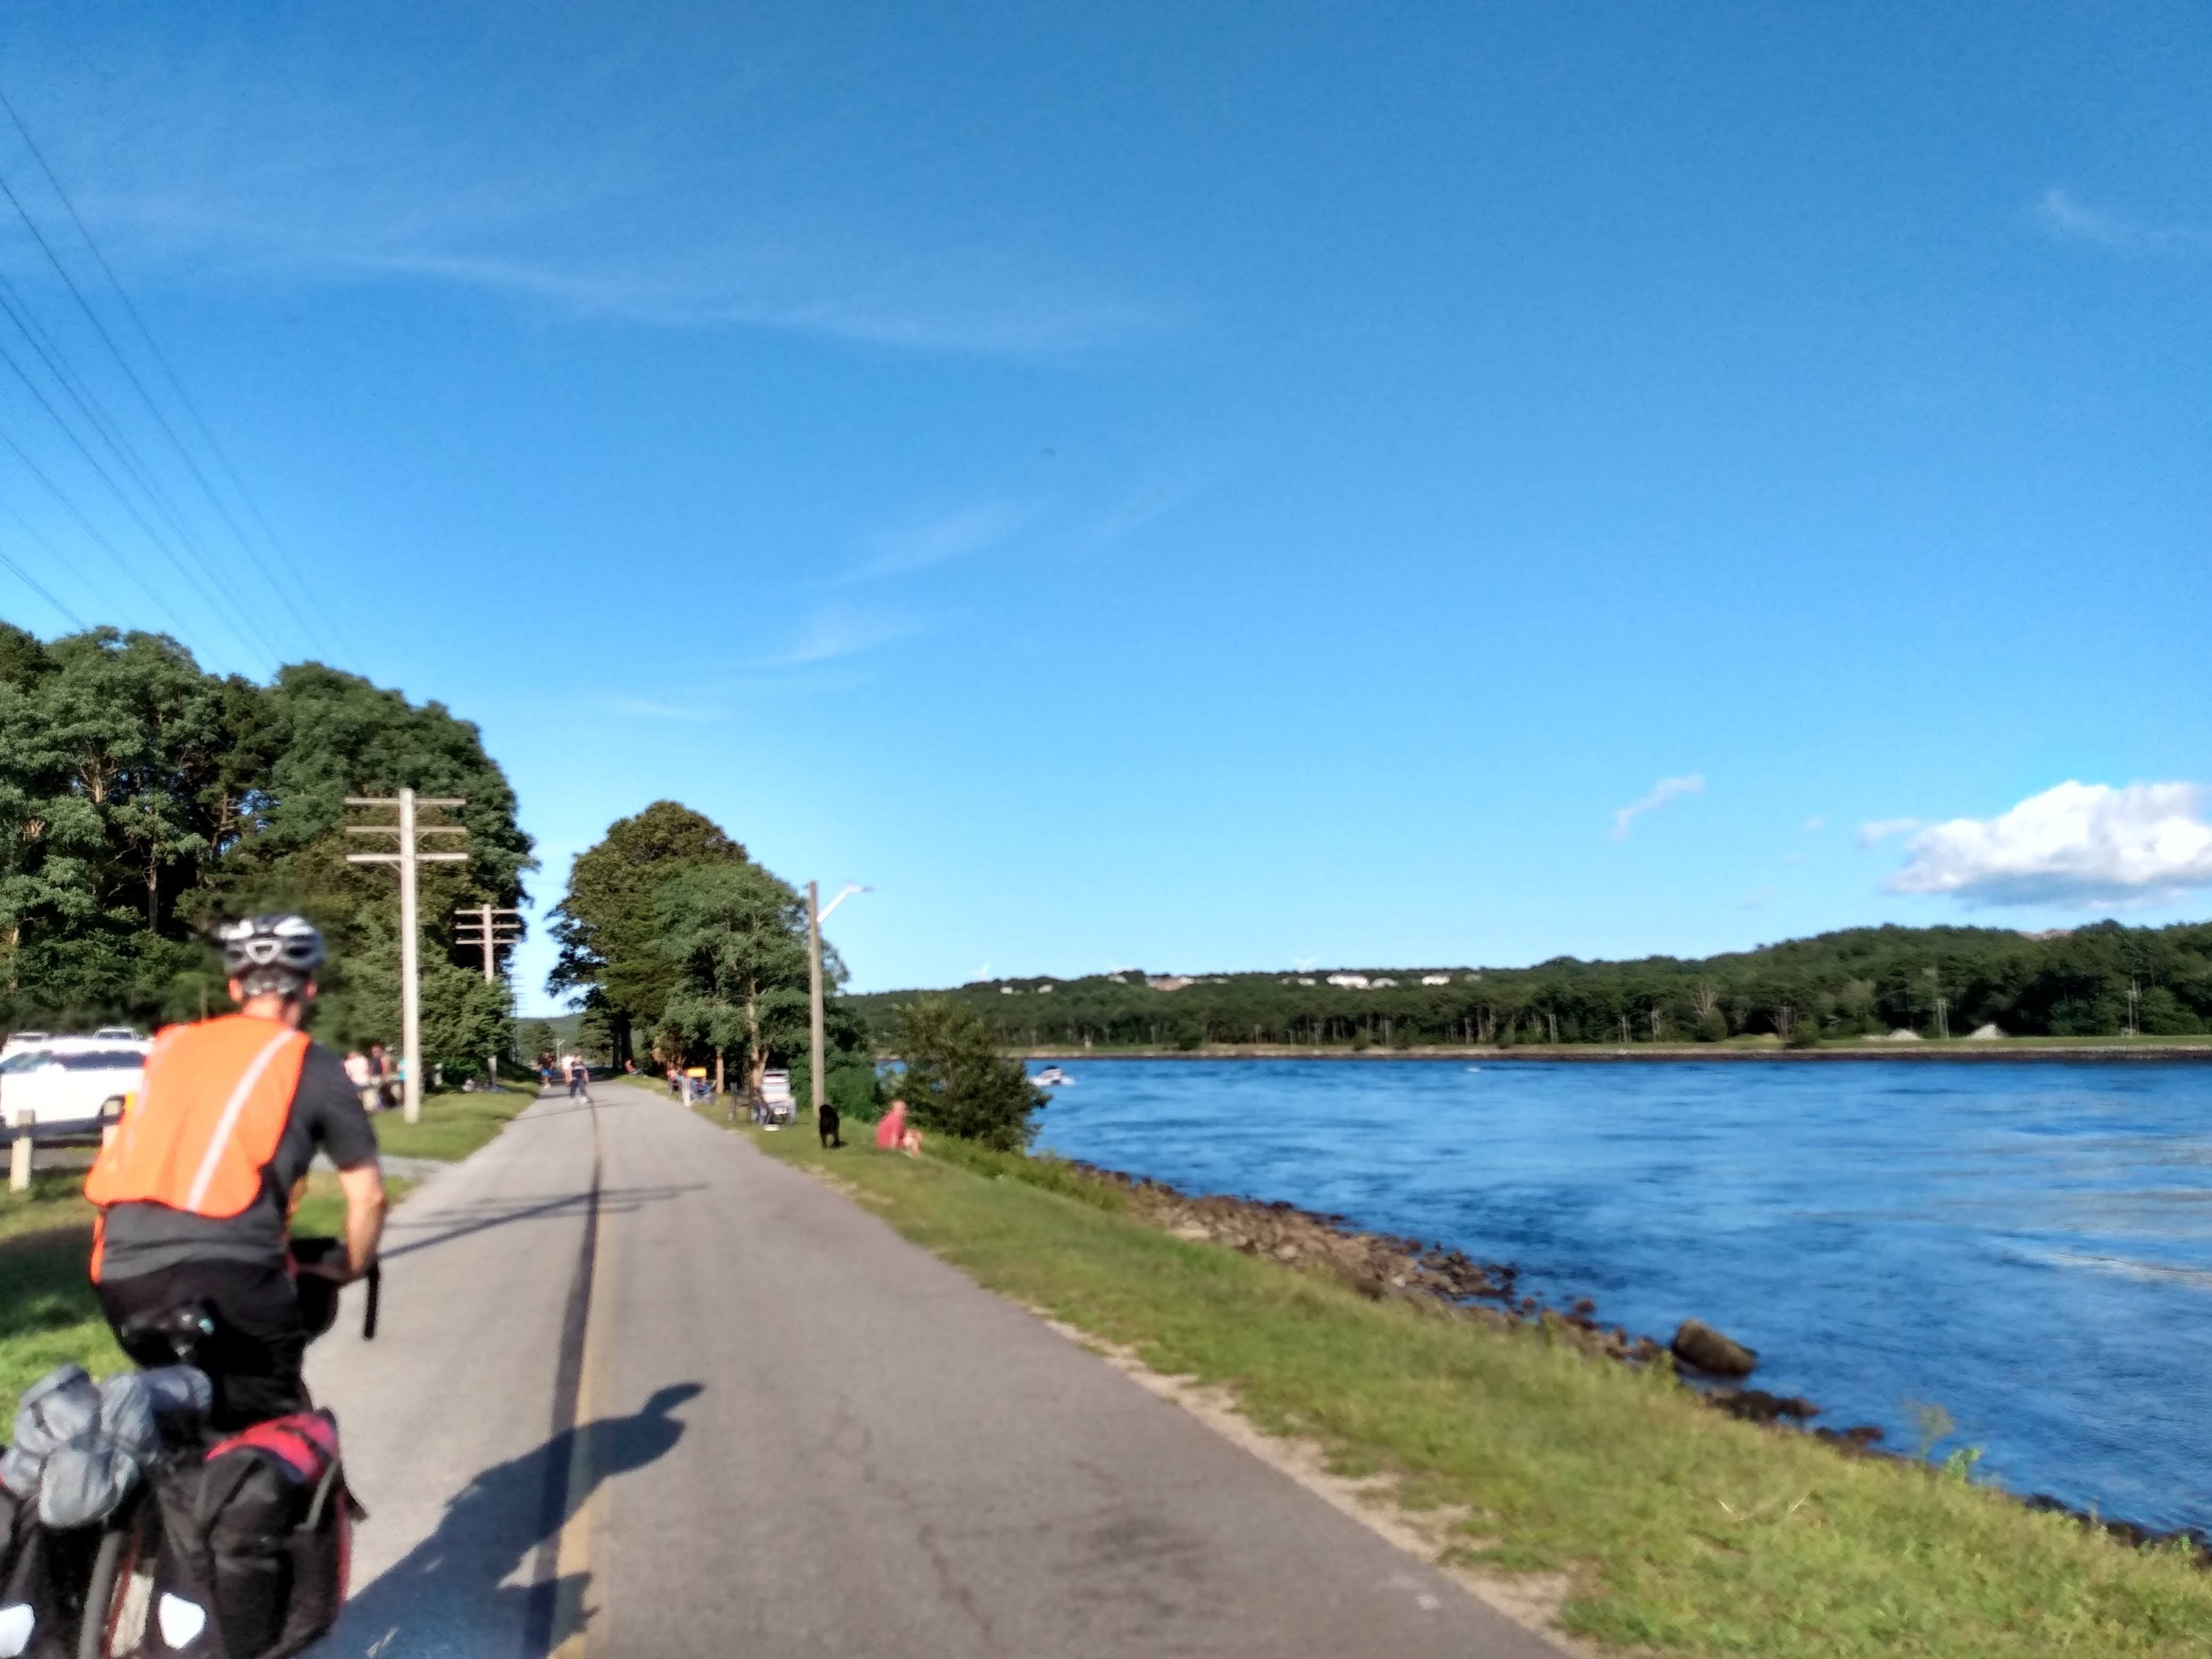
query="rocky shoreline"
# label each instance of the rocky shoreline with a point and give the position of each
(1383, 1267)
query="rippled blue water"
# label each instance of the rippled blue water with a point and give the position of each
(2027, 1245)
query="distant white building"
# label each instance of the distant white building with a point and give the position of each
(1117, 979)
(1349, 981)
(1380, 984)
(1044, 990)
(1169, 982)
(1008, 991)
(1305, 982)
(1436, 979)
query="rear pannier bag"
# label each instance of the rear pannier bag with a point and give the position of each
(256, 1537)
(44, 1574)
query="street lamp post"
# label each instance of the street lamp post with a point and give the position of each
(817, 914)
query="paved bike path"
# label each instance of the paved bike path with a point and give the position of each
(795, 1434)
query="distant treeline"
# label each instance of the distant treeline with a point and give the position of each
(2097, 980)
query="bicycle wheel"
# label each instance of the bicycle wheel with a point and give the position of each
(120, 1597)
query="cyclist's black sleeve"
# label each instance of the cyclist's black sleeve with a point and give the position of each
(326, 1113)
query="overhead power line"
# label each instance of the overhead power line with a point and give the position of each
(92, 530)
(324, 635)
(25, 576)
(208, 588)
(50, 353)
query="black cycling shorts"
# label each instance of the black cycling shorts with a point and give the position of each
(253, 1358)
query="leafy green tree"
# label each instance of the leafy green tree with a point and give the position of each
(464, 1018)
(533, 1041)
(958, 1083)
(606, 925)
(736, 937)
(595, 1032)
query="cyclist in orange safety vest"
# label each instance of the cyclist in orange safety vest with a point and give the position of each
(195, 1189)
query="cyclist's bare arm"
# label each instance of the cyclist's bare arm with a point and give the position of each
(363, 1185)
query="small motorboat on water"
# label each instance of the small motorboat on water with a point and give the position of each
(1052, 1078)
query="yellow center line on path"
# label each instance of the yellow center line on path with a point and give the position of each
(572, 1608)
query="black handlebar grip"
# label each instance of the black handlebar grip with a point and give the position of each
(375, 1277)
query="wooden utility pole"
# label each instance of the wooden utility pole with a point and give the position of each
(410, 945)
(816, 913)
(492, 931)
(814, 996)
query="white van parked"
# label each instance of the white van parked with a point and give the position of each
(57, 1086)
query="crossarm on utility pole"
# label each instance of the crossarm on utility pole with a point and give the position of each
(407, 856)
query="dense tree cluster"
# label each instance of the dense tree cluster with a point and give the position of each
(140, 797)
(669, 927)
(2095, 981)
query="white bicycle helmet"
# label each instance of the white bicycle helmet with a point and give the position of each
(270, 953)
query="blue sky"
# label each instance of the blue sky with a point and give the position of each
(1202, 491)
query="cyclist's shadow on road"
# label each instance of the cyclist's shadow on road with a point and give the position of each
(486, 1575)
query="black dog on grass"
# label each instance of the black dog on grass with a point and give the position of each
(828, 1122)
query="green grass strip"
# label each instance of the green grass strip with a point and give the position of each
(1685, 1532)
(48, 1315)
(453, 1125)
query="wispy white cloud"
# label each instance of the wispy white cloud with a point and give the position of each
(1757, 899)
(645, 709)
(936, 541)
(1665, 790)
(1878, 830)
(1818, 821)
(222, 164)
(2061, 215)
(2079, 843)
(1137, 510)
(915, 314)
(836, 632)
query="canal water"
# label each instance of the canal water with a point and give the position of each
(2027, 1245)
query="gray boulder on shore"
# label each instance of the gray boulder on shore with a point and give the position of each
(1699, 1344)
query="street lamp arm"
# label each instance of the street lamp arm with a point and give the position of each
(851, 888)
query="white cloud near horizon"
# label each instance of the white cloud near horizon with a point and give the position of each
(2076, 844)
(2063, 216)
(1665, 790)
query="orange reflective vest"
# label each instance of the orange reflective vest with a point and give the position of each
(207, 1120)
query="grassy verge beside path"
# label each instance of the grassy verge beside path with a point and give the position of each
(453, 1125)
(1682, 1531)
(47, 1314)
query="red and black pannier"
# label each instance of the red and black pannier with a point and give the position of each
(256, 1540)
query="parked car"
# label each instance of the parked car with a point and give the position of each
(19, 1041)
(57, 1086)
